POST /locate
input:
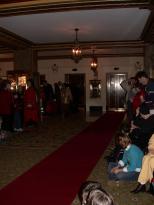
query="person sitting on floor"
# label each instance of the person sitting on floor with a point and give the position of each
(117, 153)
(142, 127)
(92, 193)
(129, 167)
(146, 174)
(85, 188)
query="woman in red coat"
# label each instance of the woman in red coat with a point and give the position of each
(138, 100)
(31, 109)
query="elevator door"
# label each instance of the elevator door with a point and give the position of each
(115, 93)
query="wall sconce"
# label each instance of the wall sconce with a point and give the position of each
(94, 64)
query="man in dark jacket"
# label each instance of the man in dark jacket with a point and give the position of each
(142, 127)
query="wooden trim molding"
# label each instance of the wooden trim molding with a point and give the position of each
(88, 45)
(6, 59)
(11, 40)
(40, 6)
(107, 55)
(148, 32)
(148, 25)
(113, 49)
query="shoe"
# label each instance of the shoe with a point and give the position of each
(109, 159)
(151, 189)
(139, 188)
(20, 130)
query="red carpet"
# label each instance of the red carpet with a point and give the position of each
(57, 178)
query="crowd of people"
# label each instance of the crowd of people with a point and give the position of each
(18, 108)
(22, 108)
(57, 99)
(133, 156)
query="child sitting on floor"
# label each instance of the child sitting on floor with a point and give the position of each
(92, 193)
(129, 167)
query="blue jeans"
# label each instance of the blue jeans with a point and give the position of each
(17, 120)
(129, 110)
(121, 176)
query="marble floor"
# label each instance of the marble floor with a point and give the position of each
(21, 151)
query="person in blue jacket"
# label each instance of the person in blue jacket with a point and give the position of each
(129, 167)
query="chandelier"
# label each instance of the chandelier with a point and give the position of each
(76, 51)
(94, 63)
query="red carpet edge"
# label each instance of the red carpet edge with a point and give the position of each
(57, 178)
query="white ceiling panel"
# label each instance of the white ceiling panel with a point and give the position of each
(118, 24)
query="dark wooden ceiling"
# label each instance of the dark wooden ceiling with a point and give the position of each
(14, 1)
(105, 1)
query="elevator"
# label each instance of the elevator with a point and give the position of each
(115, 98)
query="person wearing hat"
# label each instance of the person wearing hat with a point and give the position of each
(142, 127)
(147, 171)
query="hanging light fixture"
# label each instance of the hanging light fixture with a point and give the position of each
(94, 63)
(76, 51)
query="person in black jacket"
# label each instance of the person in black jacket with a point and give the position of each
(142, 127)
(48, 94)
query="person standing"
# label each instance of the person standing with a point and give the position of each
(58, 97)
(31, 108)
(148, 84)
(17, 112)
(129, 86)
(6, 107)
(48, 95)
(66, 97)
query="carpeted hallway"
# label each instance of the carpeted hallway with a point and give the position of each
(20, 152)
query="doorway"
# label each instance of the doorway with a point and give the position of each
(77, 85)
(115, 93)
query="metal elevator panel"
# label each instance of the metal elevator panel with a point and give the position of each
(115, 93)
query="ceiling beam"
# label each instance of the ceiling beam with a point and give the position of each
(104, 49)
(107, 55)
(88, 45)
(148, 32)
(13, 41)
(28, 7)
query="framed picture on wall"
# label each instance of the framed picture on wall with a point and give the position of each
(95, 88)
